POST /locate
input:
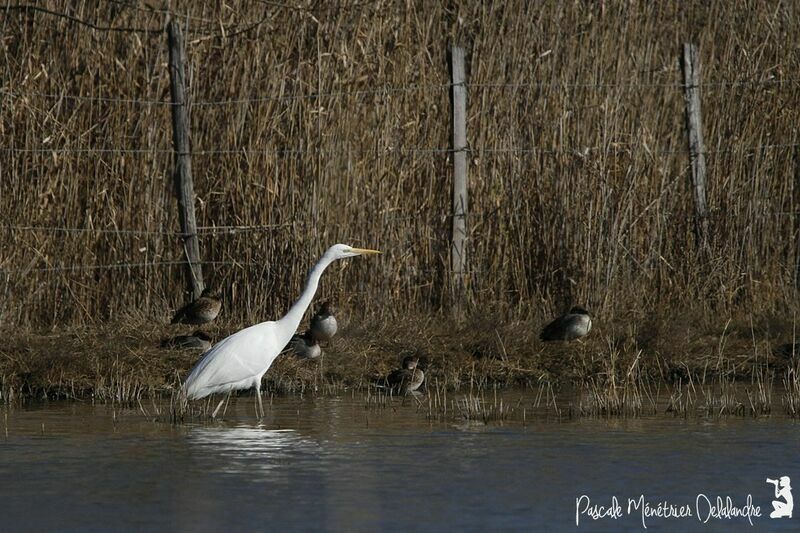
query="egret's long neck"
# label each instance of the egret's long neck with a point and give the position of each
(291, 321)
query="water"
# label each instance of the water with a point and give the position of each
(332, 464)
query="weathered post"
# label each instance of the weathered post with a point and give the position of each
(458, 254)
(796, 218)
(184, 186)
(694, 135)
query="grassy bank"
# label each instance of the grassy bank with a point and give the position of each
(684, 363)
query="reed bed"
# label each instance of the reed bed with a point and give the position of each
(791, 398)
(324, 123)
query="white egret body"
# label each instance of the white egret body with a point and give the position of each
(241, 360)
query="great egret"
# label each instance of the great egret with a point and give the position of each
(323, 323)
(304, 346)
(198, 339)
(240, 361)
(204, 309)
(569, 326)
(406, 379)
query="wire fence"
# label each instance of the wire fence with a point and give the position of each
(382, 93)
(410, 150)
(402, 150)
(115, 231)
(408, 88)
(216, 231)
(204, 28)
(124, 265)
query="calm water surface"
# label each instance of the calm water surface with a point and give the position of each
(332, 464)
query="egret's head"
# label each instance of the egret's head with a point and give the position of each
(340, 251)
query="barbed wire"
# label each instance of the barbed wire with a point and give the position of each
(385, 90)
(165, 12)
(106, 99)
(395, 89)
(6, 273)
(630, 85)
(38, 9)
(147, 264)
(62, 229)
(201, 230)
(579, 151)
(197, 36)
(117, 266)
(212, 231)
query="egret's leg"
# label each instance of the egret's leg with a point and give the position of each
(214, 414)
(222, 402)
(260, 410)
(227, 403)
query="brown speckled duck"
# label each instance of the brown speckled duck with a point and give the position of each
(201, 311)
(407, 379)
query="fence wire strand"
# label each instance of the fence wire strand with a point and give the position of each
(395, 89)
(281, 152)
(118, 266)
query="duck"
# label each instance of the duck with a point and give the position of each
(201, 311)
(304, 346)
(407, 379)
(787, 351)
(569, 326)
(198, 339)
(323, 324)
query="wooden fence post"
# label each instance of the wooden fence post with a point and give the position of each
(458, 253)
(694, 135)
(184, 185)
(795, 217)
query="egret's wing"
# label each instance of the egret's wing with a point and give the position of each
(244, 355)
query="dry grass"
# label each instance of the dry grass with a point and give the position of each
(791, 383)
(469, 368)
(600, 215)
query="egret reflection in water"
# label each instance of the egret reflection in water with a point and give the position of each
(248, 449)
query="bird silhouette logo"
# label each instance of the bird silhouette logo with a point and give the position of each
(783, 504)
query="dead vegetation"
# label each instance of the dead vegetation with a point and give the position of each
(321, 125)
(470, 368)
